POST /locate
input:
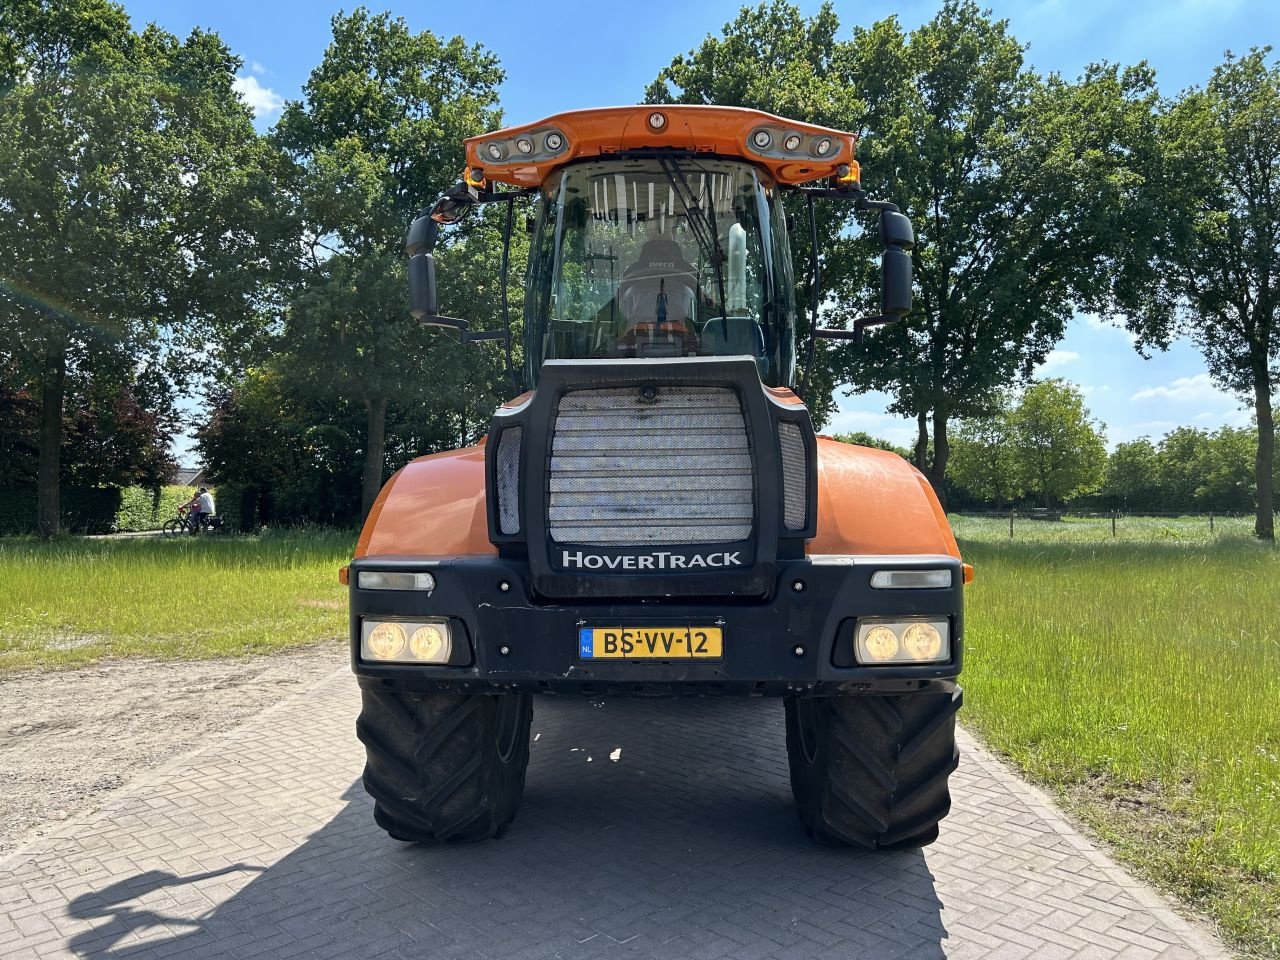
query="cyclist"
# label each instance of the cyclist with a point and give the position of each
(202, 508)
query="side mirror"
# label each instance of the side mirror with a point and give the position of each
(895, 282)
(896, 231)
(449, 209)
(422, 294)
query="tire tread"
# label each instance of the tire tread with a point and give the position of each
(878, 777)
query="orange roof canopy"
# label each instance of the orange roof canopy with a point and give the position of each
(792, 152)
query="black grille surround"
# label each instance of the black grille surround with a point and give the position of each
(561, 570)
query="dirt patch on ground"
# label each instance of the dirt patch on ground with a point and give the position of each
(68, 738)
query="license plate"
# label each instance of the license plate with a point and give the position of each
(650, 643)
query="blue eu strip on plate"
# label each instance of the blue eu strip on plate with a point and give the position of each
(584, 642)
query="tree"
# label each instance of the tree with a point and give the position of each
(863, 439)
(984, 458)
(1199, 470)
(1133, 478)
(1061, 451)
(377, 135)
(131, 191)
(1008, 179)
(1205, 257)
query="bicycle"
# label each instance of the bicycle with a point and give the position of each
(183, 523)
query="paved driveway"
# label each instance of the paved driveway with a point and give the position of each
(649, 829)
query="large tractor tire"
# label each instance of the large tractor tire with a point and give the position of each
(871, 771)
(444, 767)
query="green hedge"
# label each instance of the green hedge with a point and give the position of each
(143, 509)
(82, 509)
(93, 509)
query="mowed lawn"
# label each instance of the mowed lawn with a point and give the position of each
(1141, 683)
(71, 602)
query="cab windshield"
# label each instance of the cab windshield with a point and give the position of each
(661, 257)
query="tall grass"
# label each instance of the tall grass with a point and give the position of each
(1098, 529)
(1142, 681)
(71, 602)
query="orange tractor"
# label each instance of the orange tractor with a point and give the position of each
(655, 515)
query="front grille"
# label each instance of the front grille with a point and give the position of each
(629, 470)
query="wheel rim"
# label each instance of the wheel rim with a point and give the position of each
(507, 727)
(807, 728)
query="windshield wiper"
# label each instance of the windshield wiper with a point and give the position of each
(704, 230)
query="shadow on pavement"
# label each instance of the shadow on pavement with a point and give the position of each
(657, 829)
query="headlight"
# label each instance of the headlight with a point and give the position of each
(910, 579)
(385, 640)
(395, 580)
(430, 642)
(902, 641)
(406, 641)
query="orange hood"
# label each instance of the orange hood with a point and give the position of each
(869, 502)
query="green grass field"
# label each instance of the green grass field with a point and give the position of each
(1187, 529)
(1141, 682)
(71, 602)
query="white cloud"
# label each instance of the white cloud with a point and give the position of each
(1091, 391)
(1058, 358)
(1197, 389)
(257, 68)
(1095, 322)
(263, 101)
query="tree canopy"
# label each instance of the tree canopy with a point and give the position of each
(377, 135)
(133, 188)
(1204, 256)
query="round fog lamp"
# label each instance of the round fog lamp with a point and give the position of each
(923, 641)
(881, 643)
(762, 139)
(554, 141)
(524, 145)
(386, 640)
(494, 150)
(822, 147)
(429, 643)
(792, 142)
(657, 120)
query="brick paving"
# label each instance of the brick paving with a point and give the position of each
(682, 845)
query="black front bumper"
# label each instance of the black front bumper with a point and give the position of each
(799, 639)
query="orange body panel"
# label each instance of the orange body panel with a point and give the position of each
(433, 507)
(874, 502)
(869, 502)
(720, 130)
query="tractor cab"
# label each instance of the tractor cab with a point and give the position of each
(661, 233)
(661, 257)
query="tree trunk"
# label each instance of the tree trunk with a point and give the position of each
(47, 484)
(922, 440)
(1265, 524)
(941, 452)
(375, 450)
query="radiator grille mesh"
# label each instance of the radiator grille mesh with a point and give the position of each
(509, 480)
(675, 470)
(794, 473)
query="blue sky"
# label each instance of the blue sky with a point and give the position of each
(573, 54)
